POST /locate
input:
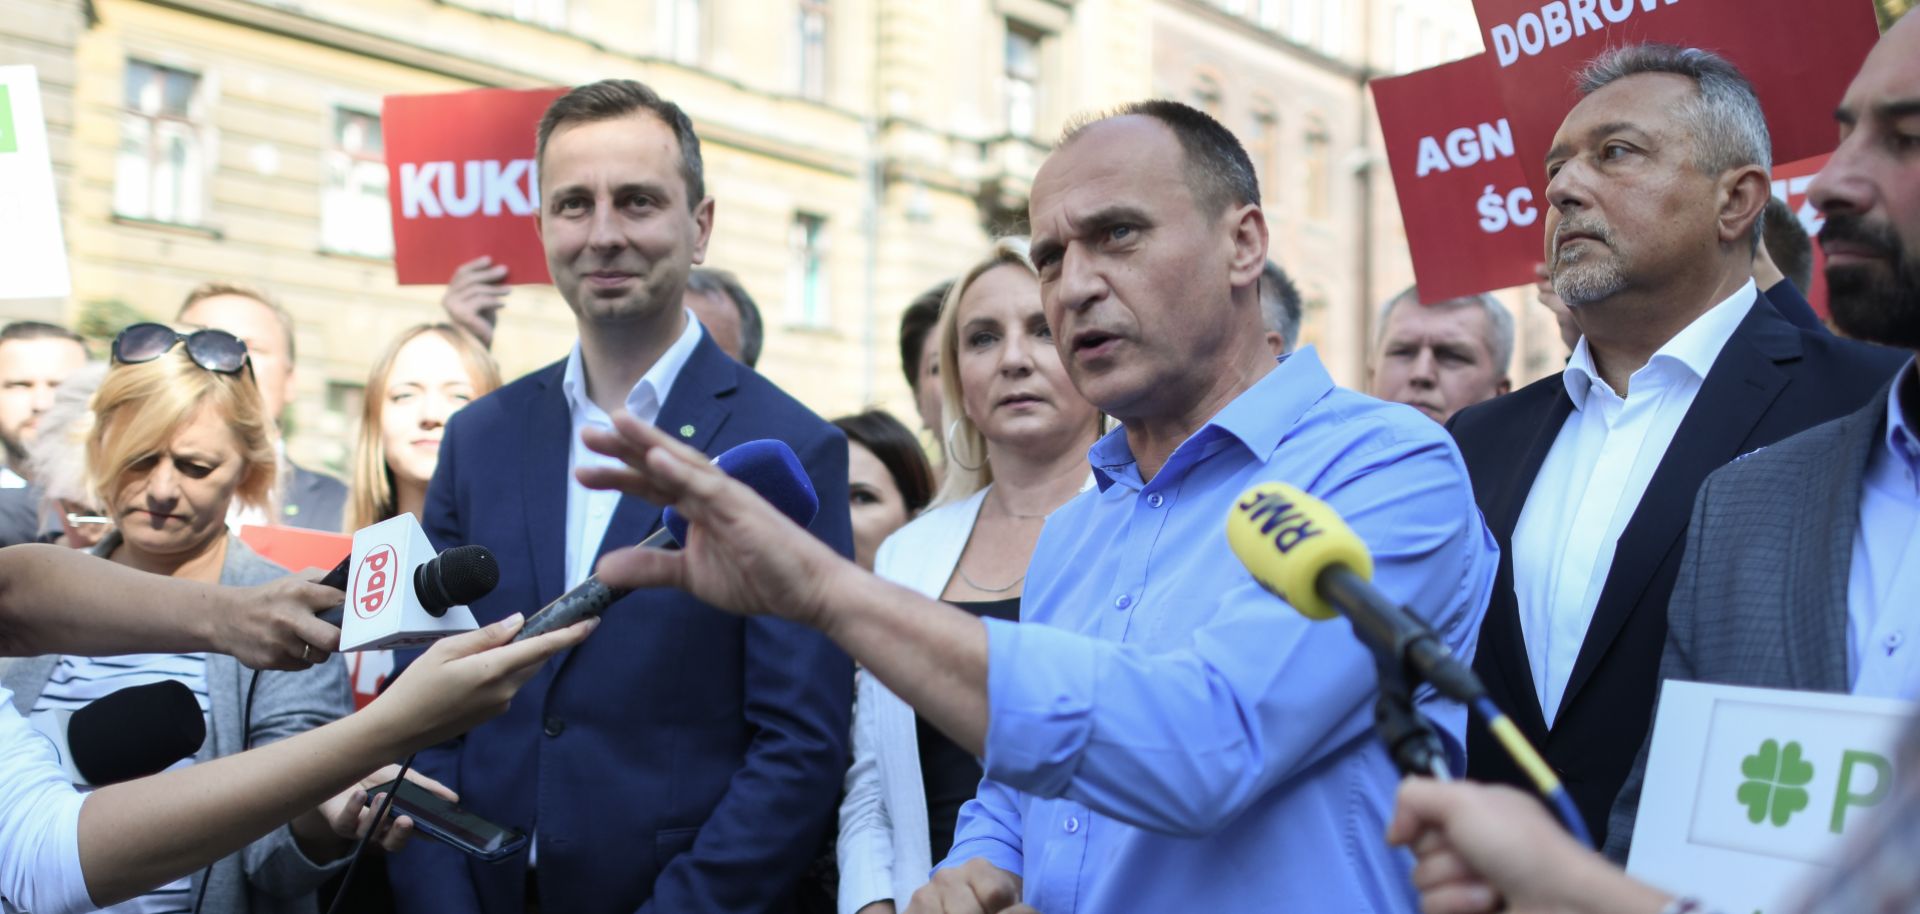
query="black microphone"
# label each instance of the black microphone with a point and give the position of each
(455, 577)
(134, 732)
(767, 466)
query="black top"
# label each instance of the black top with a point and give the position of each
(951, 774)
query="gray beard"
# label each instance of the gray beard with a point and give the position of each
(1583, 282)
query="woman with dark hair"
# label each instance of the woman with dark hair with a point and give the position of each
(888, 479)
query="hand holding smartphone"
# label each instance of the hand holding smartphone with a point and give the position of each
(441, 820)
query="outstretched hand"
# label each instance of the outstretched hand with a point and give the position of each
(741, 554)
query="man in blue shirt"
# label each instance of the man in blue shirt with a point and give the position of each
(1159, 733)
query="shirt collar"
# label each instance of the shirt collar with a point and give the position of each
(1259, 418)
(1694, 348)
(651, 390)
(1901, 441)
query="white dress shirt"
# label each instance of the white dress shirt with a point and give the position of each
(1883, 584)
(590, 510)
(39, 823)
(1591, 483)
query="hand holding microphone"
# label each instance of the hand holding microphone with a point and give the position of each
(742, 554)
(768, 467)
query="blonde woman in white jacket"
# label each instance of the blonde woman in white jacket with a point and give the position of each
(1016, 441)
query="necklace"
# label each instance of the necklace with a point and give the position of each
(983, 588)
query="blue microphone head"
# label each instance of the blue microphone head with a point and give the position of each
(770, 468)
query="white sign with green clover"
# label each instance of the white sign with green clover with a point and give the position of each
(33, 259)
(1749, 791)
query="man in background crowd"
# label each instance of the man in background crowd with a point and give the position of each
(1444, 357)
(1657, 180)
(1279, 309)
(34, 358)
(1783, 265)
(307, 499)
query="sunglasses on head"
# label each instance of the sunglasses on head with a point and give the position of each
(214, 350)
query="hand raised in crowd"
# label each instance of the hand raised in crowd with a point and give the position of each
(273, 626)
(329, 831)
(466, 679)
(1492, 848)
(475, 295)
(973, 887)
(742, 554)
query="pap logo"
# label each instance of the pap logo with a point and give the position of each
(374, 582)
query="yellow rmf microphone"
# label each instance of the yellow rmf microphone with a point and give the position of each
(1286, 538)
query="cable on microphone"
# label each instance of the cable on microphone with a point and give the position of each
(1300, 550)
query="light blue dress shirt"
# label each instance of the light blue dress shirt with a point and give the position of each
(1883, 584)
(1167, 736)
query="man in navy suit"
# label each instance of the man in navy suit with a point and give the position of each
(1656, 180)
(681, 759)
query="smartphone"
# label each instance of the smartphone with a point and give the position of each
(443, 821)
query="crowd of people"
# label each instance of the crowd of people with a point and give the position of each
(1009, 663)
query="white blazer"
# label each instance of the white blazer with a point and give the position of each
(883, 849)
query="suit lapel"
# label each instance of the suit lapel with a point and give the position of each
(544, 480)
(1822, 551)
(1505, 643)
(692, 414)
(1743, 382)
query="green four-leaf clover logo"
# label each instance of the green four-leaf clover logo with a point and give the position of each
(1775, 777)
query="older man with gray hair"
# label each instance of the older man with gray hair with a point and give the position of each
(1443, 357)
(1656, 182)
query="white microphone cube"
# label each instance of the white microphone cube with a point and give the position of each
(383, 611)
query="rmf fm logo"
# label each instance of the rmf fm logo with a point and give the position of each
(1777, 777)
(1280, 519)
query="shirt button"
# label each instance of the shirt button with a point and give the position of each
(1122, 601)
(1073, 825)
(554, 726)
(1155, 500)
(1893, 641)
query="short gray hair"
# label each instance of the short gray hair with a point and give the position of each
(1280, 304)
(1499, 322)
(753, 333)
(1728, 128)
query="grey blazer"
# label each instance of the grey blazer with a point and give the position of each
(271, 875)
(1761, 599)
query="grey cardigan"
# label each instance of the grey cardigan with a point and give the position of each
(271, 875)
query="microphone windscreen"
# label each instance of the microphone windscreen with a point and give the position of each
(770, 468)
(135, 732)
(468, 573)
(1286, 538)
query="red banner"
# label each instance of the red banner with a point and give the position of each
(461, 181)
(1800, 55)
(1472, 222)
(1790, 185)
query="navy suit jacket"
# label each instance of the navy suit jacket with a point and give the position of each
(1773, 379)
(681, 759)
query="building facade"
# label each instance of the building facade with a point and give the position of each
(858, 151)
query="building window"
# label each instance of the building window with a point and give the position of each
(1022, 80)
(807, 299)
(679, 25)
(353, 207)
(813, 48)
(160, 171)
(1319, 156)
(1263, 147)
(1271, 14)
(1303, 21)
(549, 13)
(1333, 27)
(1206, 95)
